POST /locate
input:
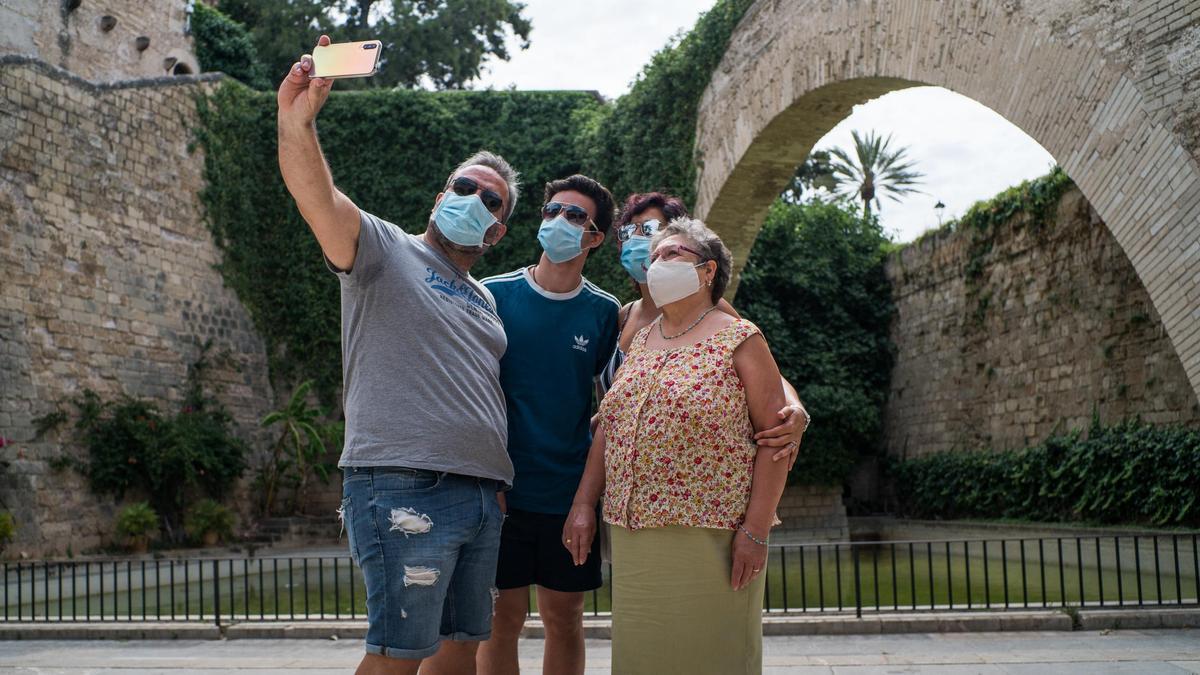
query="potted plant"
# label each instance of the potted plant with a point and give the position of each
(209, 522)
(136, 522)
(8, 528)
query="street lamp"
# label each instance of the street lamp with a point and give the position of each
(939, 208)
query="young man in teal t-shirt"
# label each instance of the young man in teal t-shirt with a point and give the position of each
(561, 331)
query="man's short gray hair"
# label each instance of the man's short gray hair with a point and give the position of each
(501, 166)
(706, 243)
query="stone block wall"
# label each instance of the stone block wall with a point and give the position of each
(1057, 325)
(77, 40)
(811, 514)
(107, 279)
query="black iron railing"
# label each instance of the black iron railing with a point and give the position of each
(970, 574)
(858, 577)
(196, 589)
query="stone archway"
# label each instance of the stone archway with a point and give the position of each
(1111, 90)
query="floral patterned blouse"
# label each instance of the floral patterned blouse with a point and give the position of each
(680, 446)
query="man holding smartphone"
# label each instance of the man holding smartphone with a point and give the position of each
(425, 447)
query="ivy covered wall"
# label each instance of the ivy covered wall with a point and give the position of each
(391, 150)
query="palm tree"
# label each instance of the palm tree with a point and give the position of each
(876, 170)
(814, 173)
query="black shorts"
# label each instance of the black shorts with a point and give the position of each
(532, 552)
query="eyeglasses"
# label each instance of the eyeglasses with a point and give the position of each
(464, 187)
(646, 229)
(575, 215)
(673, 252)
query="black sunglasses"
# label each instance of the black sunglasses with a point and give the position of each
(464, 186)
(575, 215)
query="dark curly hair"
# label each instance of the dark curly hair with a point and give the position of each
(640, 202)
(605, 206)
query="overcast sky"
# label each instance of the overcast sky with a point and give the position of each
(966, 151)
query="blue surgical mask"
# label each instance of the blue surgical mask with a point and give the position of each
(463, 220)
(635, 257)
(560, 240)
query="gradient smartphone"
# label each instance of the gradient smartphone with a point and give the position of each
(346, 59)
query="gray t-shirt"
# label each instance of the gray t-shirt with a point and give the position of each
(421, 348)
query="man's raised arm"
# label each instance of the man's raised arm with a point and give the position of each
(330, 214)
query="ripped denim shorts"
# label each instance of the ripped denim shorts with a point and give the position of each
(427, 544)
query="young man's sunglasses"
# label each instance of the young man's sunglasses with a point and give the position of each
(575, 215)
(464, 186)
(646, 229)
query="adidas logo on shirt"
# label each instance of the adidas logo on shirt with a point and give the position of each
(581, 343)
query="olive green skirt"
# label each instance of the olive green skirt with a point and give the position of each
(673, 608)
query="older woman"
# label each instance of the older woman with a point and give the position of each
(642, 216)
(689, 494)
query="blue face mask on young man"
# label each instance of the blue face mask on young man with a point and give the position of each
(635, 257)
(463, 220)
(560, 240)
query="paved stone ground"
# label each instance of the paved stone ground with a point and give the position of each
(1063, 653)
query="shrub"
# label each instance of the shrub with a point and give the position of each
(224, 45)
(1129, 473)
(815, 285)
(137, 520)
(8, 528)
(133, 446)
(207, 515)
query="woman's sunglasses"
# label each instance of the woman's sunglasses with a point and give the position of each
(575, 215)
(464, 187)
(646, 229)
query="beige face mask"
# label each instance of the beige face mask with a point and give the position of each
(672, 280)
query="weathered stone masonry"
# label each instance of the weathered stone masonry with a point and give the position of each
(107, 277)
(1057, 326)
(98, 39)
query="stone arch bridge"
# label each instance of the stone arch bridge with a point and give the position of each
(1111, 89)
